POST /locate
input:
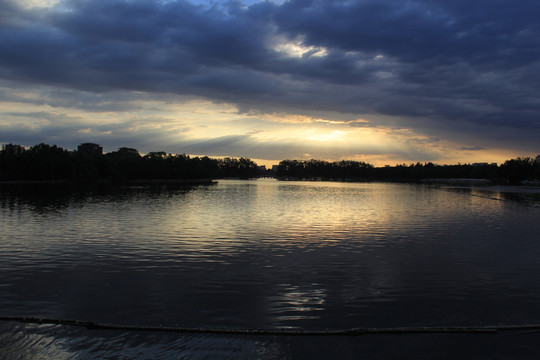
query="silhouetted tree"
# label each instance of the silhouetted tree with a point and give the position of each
(40, 162)
(320, 169)
(45, 162)
(240, 168)
(516, 170)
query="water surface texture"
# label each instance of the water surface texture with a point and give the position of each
(272, 254)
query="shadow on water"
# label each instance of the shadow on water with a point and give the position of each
(50, 198)
(527, 196)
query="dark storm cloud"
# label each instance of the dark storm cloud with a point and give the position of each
(446, 61)
(431, 32)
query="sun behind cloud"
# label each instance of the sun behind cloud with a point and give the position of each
(381, 81)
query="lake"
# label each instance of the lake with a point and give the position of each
(262, 254)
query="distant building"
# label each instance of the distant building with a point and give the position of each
(537, 160)
(90, 149)
(12, 149)
(261, 167)
(275, 167)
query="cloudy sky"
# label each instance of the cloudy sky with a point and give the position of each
(381, 81)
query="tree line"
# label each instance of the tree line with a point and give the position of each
(52, 163)
(48, 163)
(512, 171)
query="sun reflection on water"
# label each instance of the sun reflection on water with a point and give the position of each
(267, 253)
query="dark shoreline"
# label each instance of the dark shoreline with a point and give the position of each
(150, 182)
(110, 182)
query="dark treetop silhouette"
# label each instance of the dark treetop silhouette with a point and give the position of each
(44, 162)
(512, 171)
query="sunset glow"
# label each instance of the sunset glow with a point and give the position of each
(270, 80)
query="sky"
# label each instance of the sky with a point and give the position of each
(380, 81)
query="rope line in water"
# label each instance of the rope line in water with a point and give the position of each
(452, 190)
(289, 332)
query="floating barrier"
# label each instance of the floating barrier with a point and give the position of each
(280, 331)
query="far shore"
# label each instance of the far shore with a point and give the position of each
(443, 181)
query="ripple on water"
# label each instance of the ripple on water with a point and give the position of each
(272, 254)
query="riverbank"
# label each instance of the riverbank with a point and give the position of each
(149, 182)
(441, 181)
(111, 182)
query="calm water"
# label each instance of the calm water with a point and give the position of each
(263, 254)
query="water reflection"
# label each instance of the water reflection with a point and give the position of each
(524, 195)
(48, 199)
(296, 302)
(271, 254)
(26, 341)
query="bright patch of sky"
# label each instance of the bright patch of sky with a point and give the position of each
(221, 3)
(336, 135)
(208, 3)
(385, 82)
(36, 3)
(197, 126)
(297, 48)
